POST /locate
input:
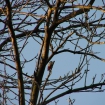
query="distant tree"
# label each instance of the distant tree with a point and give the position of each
(56, 26)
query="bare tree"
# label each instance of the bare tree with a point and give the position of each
(54, 27)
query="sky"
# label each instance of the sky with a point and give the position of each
(65, 63)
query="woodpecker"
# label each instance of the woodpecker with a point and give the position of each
(50, 65)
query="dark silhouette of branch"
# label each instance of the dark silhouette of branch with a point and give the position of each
(74, 90)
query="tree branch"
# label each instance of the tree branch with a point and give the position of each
(16, 55)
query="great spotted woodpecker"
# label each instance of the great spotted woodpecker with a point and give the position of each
(50, 65)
